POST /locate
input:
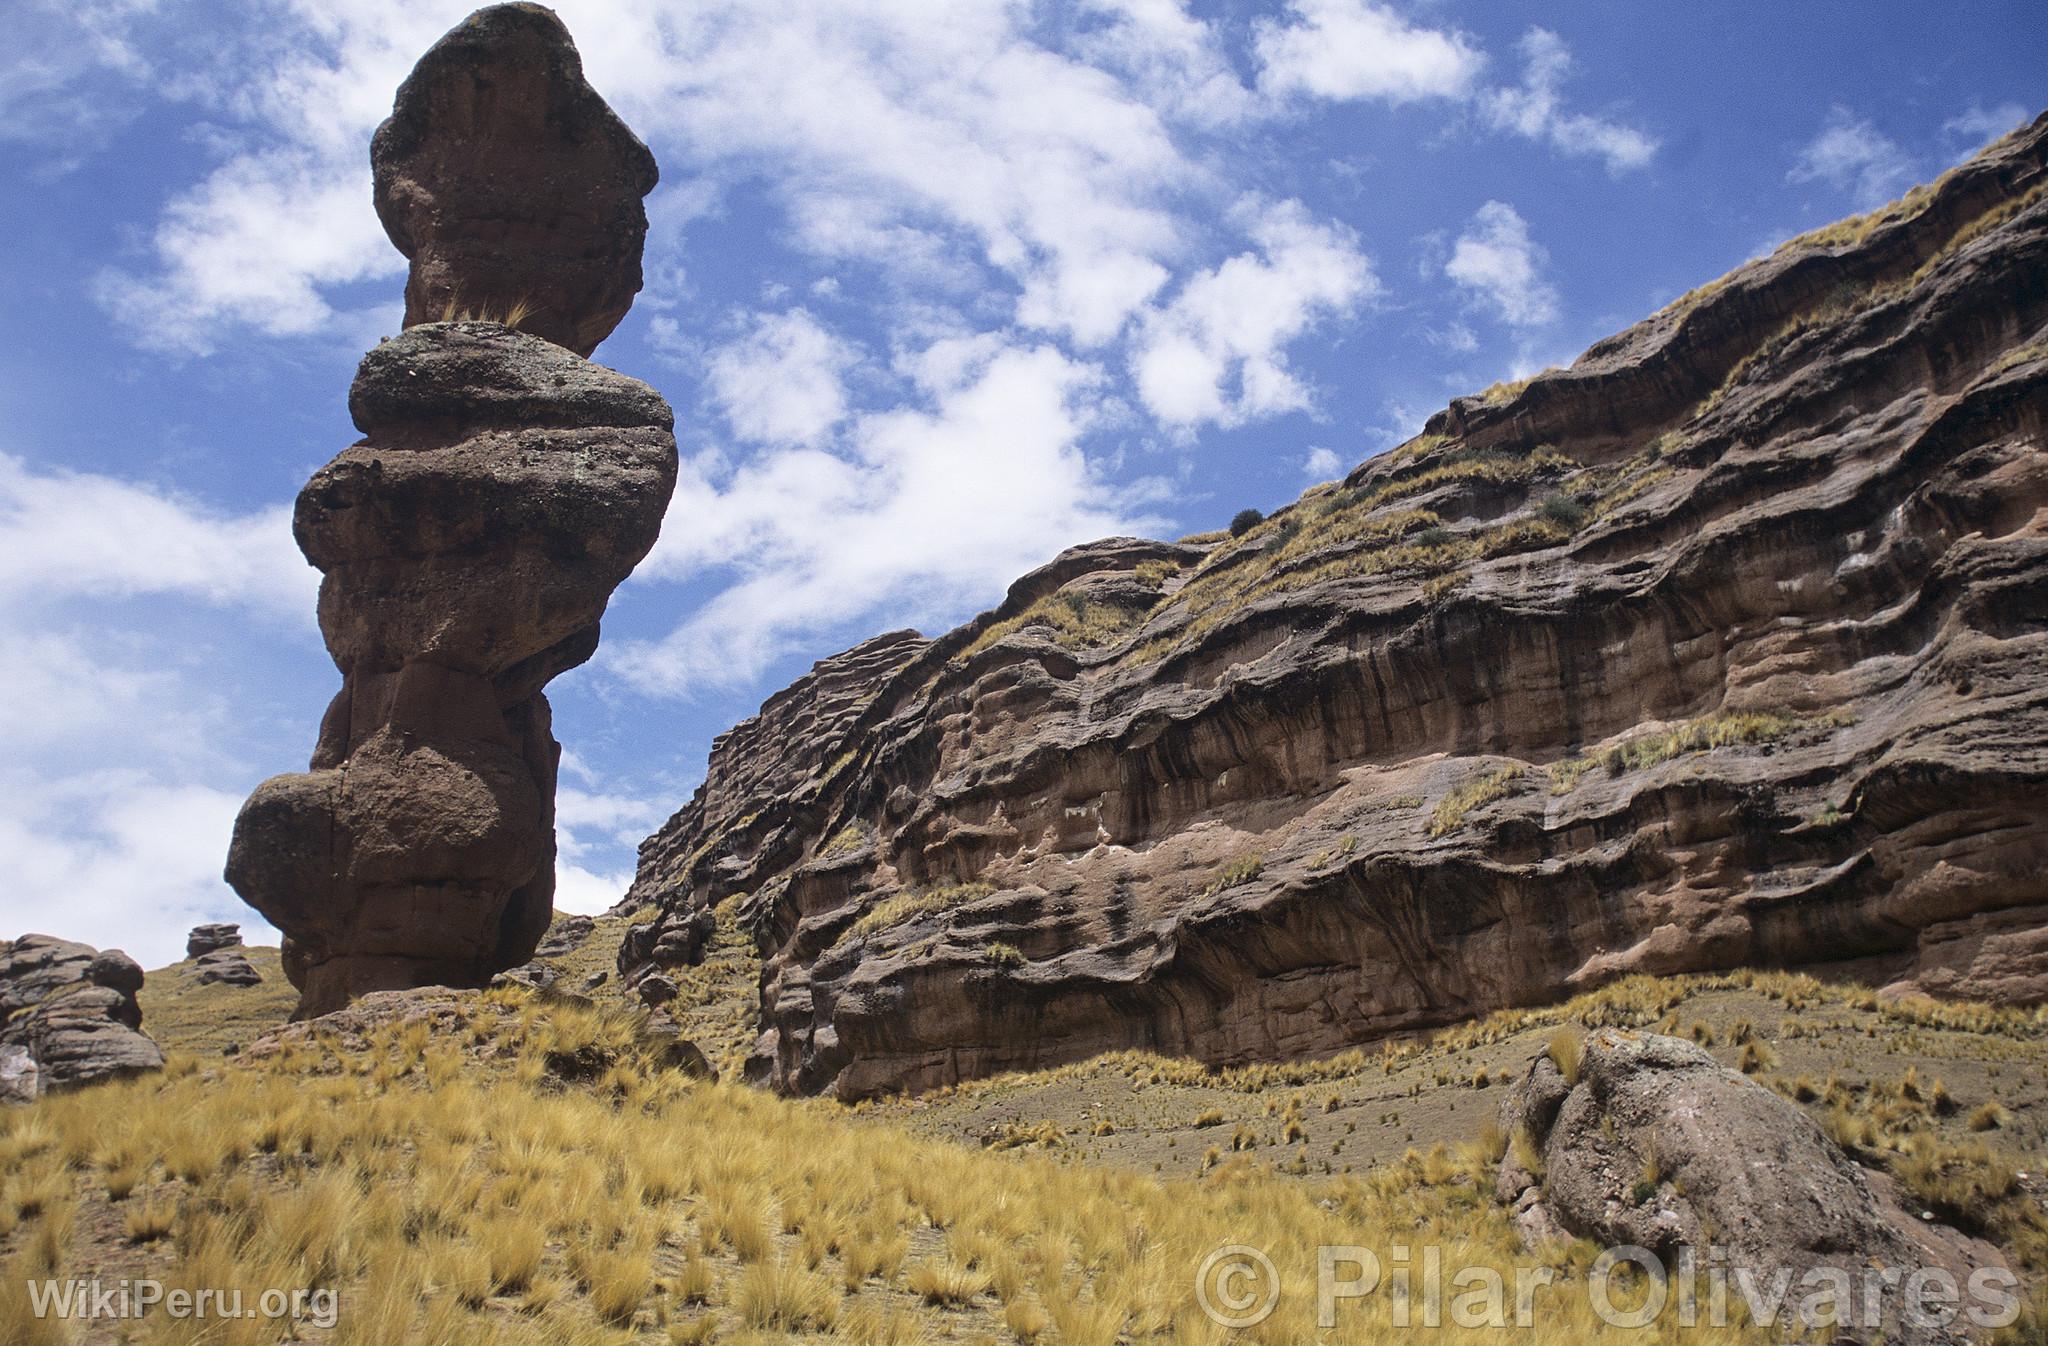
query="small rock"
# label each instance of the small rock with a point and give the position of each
(205, 939)
(228, 967)
(596, 979)
(656, 990)
(18, 1075)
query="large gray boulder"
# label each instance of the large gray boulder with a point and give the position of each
(1656, 1145)
(71, 1017)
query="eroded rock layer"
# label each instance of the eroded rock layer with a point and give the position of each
(468, 543)
(1724, 646)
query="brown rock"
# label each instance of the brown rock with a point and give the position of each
(205, 939)
(469, 543)
(1722, 647)
(513, 187)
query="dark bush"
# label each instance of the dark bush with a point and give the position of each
(1244, 521)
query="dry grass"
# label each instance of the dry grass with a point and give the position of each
(1451, 811)
(917, 902)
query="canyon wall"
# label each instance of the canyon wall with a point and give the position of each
(1725, 646)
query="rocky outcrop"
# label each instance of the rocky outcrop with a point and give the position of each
(468, 544)
(68, 1016)
(512, 187)
(226, 967)
(1655, 1145)
(206, 939)
(1722, 647)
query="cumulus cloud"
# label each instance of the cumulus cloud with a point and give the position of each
(782, 381)
(1321, 464)
(1499, 264)
(976, 477)
(77, 534)
(1853, 156)
(1535, 109)
(1216, 351)
(1346, 49)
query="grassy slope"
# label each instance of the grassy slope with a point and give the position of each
(456, 1189)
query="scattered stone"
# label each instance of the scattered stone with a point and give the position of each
(565, 935)
(596, 979)
(205, 939)
(655, 990)
(537, 977)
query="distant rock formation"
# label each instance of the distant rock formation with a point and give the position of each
(1723, 646)
(68, 1017)
(469, 543)
(205, 939)
(1656, 1145)
(512, 187)
(226, 967)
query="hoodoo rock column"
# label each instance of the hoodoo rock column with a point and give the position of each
(469, 542)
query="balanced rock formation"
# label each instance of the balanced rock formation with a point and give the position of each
(225, 967)
(512, 187)
(1723, 646)
(469, 543)
(1655, 1145)
(206, 939)
(68, 1016)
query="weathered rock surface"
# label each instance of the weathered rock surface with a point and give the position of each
(1658, 1146)
(68, 1016)
(229, 967)
(512, 187)
(206, 939)
(1722, 647)
(565, 936)
(469, 543)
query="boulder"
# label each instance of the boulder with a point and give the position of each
(511, 185)
(1657, 1146)
(204, 939)
(565, 936)
(227, 967)
(71, 1017)
(19, 1078)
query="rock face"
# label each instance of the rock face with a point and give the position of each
(512, 187)
(1658, 1146)
(68, 1017)
(1721, 647)
(469, 543)
(228, 967)
(205, 939)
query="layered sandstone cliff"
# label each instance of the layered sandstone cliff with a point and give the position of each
(470, 541)
(1727, 645)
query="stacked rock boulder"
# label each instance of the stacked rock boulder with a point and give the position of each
(68, 1017)
(217, 957)
(469, 542)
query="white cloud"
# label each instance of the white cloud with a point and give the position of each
(914, 512)
(1230, 324)
(781, 383)
(1321, 464)
(1346, 49)
(1853, 156)
(1499, 264)
(1977, 126)
(1535, 110)
(119, 860)
(75, 534)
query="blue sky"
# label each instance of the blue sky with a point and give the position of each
(936, 289)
